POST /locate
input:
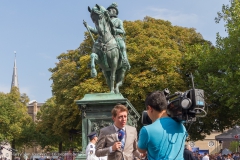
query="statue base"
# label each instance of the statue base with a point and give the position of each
(81, 157)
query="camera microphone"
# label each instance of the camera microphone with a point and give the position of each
(121, 134)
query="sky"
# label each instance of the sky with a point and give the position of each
(40, 30)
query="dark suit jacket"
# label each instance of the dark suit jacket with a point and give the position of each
(188, 155)
(107, 138)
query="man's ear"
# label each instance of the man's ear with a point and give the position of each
(149, 108)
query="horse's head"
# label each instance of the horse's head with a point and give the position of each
(99, 18)
(97, 12)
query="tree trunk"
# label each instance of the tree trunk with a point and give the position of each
(13, 147)
(60, 147)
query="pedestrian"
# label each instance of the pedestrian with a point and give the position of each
(205, 157)
(90, 150)
(188, 154)
(42, 158)
(69, 155)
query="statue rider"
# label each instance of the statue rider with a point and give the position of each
(119, 33)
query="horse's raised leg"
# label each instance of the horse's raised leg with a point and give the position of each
(94, 57)
(120, 74)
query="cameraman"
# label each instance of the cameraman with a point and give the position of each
(165, 137)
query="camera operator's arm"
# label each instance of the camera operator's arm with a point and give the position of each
(142, 151)
(142, 142)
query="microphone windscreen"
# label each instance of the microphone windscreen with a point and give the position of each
(121, 134)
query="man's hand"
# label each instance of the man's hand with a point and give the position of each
(106, 13)
(113, 31)
(85, 23)
(116, 146)
(143, 155)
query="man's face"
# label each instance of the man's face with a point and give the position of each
(112, 11)
(121, 119)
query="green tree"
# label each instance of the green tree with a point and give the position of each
(234, 145)
(47, 132)
(156, 49)
(14, 119)
(218, 74)
(229, 68)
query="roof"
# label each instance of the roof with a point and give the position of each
(38, 104)
(230, 135)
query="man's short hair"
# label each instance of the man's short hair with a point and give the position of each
(157, 100)
(187, 146)
(118, 107)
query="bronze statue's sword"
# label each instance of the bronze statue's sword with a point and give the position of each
(85, 24)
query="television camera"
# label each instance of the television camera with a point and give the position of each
(182, 106)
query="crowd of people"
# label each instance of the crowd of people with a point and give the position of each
(216, 156)
(189, 155)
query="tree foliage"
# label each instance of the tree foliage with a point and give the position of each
(156, 50)
(50, 130)
(221, 70)
(228, 50)
(234, 145)
(14, 120)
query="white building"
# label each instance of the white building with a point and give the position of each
(5, 153)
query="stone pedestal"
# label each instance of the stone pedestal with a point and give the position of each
(96, 114)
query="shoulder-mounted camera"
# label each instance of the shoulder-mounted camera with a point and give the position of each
(182, 106)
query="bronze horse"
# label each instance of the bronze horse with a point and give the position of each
(105, 50)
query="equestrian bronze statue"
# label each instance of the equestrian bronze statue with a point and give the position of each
(106, 51)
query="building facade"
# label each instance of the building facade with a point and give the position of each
(33, 108)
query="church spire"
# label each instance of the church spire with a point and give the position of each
(14, 76)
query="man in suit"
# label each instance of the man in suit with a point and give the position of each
(109, 143)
